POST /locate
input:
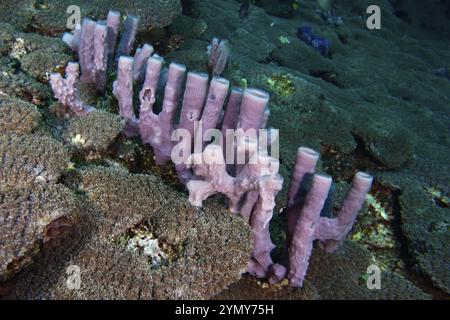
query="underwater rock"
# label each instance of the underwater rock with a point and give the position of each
(28, 59)
(443, 73)
(207, 249)
(30, 218)
(187, 27)
(32, 42)
(330, 18)
(30, 159)
(250, 288)
(250, 35)
(6, 37)
(18, 13)
(17, 116)
(423, 216)
(94, 132)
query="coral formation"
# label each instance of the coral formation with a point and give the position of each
(152, 13)
(17, 116)
(95, 132)
(30, 159)
(350, 282)
(211, 246)
(31, 217)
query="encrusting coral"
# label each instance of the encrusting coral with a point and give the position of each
(30, 159)
(95, 132)
(207, 249)
(30, 217)
(17, 116)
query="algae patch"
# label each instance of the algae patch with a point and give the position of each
(282, 84)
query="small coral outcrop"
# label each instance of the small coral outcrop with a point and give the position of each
(93, 133)
(30, 159)
(29, 218)
(202, 252)
(18, 116)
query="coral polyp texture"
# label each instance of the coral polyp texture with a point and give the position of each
(31, 218)
(17, 116)
(93, 133)
(203, 251)
(31, 159)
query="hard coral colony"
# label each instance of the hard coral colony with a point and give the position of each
(250, 187)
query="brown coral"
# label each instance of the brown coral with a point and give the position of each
(29, 218)
(93, 132)
(212, 247)
(30, 159)
(17, 116)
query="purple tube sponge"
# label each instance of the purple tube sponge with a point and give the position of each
(260, 175)
(191, 111)
(66, 89)
(100, 56)
(254, 104)
(218, 92)
(305, 163)
(219, 55)
(113, 24)
(231, 114)
(73, 39)
(302, 241)
(128, 36)
(86, 51)
(268, 187)
(305, 223)
(140, 62)
(155, 129)
(332, 232)
(123, 91)
(95, 43)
